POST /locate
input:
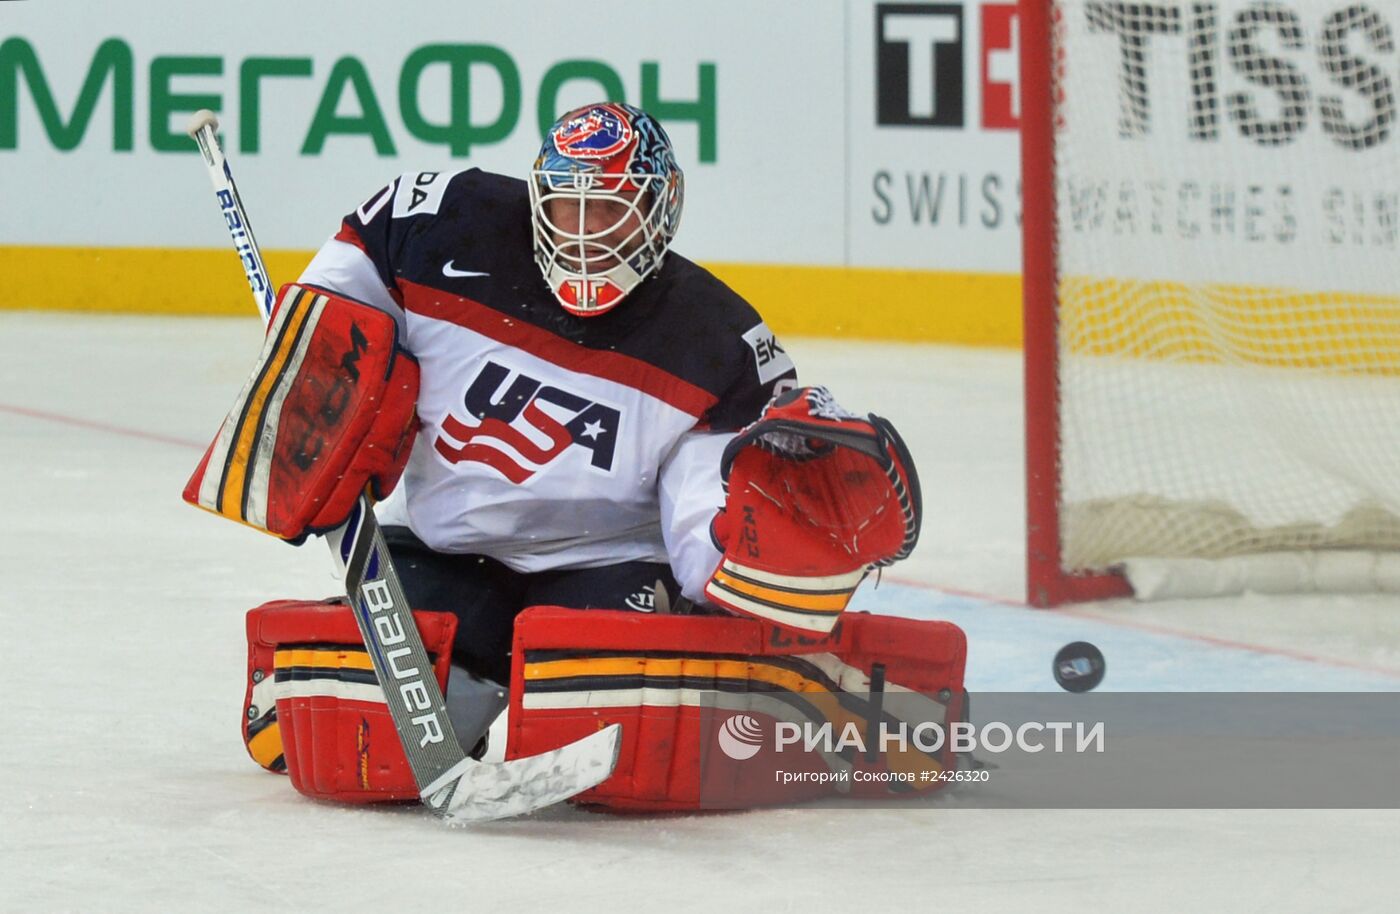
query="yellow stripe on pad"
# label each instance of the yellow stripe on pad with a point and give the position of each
(231, 498)
(698, 667)
(792, 599)
(321, 658)
(266, 747)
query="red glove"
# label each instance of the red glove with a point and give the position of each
(816, 497)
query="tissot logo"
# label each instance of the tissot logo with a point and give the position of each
(1000, 69)
(919, 64)
(921, 51)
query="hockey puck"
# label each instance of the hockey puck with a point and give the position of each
(1079, 667)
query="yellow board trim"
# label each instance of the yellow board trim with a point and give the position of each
(843, 302)
(916, 306)
(1224, 324)
(136, 280)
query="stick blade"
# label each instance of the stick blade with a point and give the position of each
(484, 792)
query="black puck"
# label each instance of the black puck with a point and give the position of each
(1079, 667)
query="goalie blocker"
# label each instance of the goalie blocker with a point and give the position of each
(327, 410)
(313, 710)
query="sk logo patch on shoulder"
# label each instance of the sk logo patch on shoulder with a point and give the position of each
(770, 357)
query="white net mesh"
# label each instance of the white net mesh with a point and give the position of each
(1228, 242)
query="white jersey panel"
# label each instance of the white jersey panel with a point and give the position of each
(691, 492)
(478, 484)
(532, 464)
(345, 270)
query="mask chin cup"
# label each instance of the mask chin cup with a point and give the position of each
(591, 294)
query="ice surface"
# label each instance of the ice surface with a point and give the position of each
(126, 787)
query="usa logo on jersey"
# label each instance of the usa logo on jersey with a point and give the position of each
(598, 133)
(536, 422)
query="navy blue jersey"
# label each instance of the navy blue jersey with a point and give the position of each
(549, 440)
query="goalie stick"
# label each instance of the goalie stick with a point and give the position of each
(455, 787)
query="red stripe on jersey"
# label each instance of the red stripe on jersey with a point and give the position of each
(348, 234)
(611, 366)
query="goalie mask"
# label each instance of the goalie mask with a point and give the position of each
(605, 201)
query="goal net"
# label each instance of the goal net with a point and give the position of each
(1213, 295)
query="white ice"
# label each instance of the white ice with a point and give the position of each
(126, 786)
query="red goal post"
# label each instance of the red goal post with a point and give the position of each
(1047, 583)
(1212, 296)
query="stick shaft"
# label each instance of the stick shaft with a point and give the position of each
(372, 584)
(203, 130)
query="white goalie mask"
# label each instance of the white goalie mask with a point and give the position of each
(605, 202)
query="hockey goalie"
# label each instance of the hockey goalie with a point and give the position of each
(606, 497)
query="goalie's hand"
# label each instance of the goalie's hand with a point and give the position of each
(815, 498)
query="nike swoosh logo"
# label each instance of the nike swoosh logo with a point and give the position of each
(448, 271)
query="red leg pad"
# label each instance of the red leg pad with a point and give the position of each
(575, 672)
(314, 708)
